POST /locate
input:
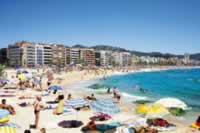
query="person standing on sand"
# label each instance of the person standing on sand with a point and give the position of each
(38, 106)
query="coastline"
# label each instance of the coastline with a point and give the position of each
(116, 72)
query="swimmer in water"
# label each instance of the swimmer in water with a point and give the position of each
(142, 90)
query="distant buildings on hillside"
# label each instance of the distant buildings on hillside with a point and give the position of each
(28, 54)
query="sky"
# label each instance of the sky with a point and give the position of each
(168, 26)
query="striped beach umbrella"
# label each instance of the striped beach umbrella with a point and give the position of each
(7, 129)
(76, 103)
(106, 106)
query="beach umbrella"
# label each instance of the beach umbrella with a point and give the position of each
(28, 75)
(76, 103)
(55, 87)
(172, 103)
(106, 106)
(143, 108)
(22, 76)
(152, 111)
(25, 72)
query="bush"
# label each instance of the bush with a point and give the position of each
(177, 111)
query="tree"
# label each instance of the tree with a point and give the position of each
(2, 68)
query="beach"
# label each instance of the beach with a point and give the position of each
(25, 115)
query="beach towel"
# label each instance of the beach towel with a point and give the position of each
(164, 129)
(109, 126)
(4, 119)
(7, 95)
(70, 124)
(138, 122)
(4, 113)
(7, 129)
(128, 130)
(10, 124)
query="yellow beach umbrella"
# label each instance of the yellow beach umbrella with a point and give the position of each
(143, 108)
(21, 76)
(152, 111)
(7, 129)
(157, 110)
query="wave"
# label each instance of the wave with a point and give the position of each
(133, 97)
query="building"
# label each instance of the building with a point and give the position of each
(67, 55)
(47, 54)
(126, 58)
(27, 54)
(87, 56)
(122, 58)
(58, 54)
(17, 53)
(4, 58)
(186, 59)
(106, 58)
(135, 60)
(97, 58)
(74, 56)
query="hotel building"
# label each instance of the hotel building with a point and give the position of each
(58, 54)
(74, 56)
(87, 56)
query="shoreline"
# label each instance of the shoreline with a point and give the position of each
(149, 69)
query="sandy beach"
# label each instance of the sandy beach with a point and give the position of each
(25, 115)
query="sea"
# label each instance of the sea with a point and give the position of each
(183, 84)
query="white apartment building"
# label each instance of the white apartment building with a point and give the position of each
(106, 57)
(122, 58)
(74, 55)
(29, 54)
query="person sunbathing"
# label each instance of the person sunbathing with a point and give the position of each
(146, 129)
(60, 108)
(92, 97)
(69, 97)
(90, 126)
(3, 105)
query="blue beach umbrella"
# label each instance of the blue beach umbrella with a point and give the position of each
(25, 72)
(55, 87)
(106, 106)
(76, 103)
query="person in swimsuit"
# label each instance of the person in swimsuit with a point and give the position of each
(60, 108)
(3, 105)
(38, 106)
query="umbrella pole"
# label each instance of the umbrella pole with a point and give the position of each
(76, 115)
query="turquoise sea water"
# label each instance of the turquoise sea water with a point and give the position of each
(183, 84)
